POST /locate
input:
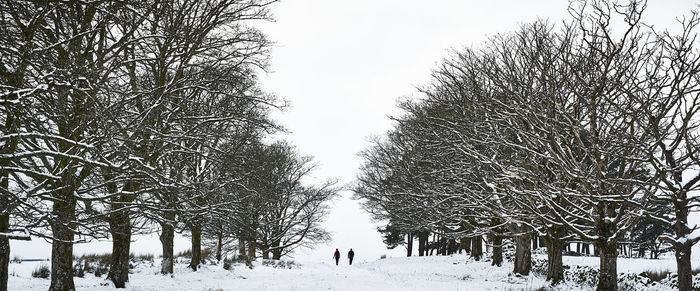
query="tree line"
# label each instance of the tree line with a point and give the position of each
(128, 117)
(574, 132)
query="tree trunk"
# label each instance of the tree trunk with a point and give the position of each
(607, 280)
(62, 245)
(477, 250)
(251, 249)
(265, 252)
(4, 251)
(11, 126)
(684, 247)
(466, 244)
(535, 240)
(555, 265)
(409, 244)
(523, 255)
(429, 247)
(241, 246)
(196, 247)
(219, 242)
(497, 258)
(443, 246)
(277, 251)
(422, 242)
(120, 229)
(685, 272)
(277, 254)
(167, 237)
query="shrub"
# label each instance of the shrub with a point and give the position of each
(185, 254)
(16, 259)
(656, 276)
(280, 264)
(242, 259)
(227, 264)
(79, 270)
(539, 266)
(100, 271)
(292, 265)
(239, 259)
(142, 257)
(206, 254)
(102, 259)
(588, 277)
(94, 263)
(42, 271)
(582, 275)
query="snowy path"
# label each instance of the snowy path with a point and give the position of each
(414, 273)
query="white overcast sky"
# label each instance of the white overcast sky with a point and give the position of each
(343, 65)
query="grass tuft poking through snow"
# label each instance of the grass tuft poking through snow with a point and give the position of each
(42, 271)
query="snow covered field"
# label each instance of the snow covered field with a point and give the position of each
(414, 273)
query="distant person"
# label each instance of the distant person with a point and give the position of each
(336, 256)
(351, 255)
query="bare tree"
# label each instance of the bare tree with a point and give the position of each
(666, 93)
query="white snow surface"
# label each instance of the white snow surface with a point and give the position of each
(413, 273)
(455, 272)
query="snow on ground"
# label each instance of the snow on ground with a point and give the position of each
(414, 273)
(628, 265)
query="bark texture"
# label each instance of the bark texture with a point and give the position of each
(120, 229)
(608, 266)
(62, 246)
(251, 249)
(241, 246)
(555, 265)
(422, 243)
(466, 244)
(4, 251)
(477, 250)
(196, 247)
(219, 242)
(683, 248)
(497, 258)
(167, 237)
(523, 255)
(685, 272)
(277, 254)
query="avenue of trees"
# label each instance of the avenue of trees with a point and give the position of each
(581, 132)
(128, 117)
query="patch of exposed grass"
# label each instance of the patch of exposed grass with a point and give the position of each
(42, 271)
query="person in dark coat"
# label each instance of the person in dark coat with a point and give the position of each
(336, 256)
(351, 255)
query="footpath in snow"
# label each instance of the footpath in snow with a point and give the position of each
(414, 273)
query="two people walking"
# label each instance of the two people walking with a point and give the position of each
(336, 256)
